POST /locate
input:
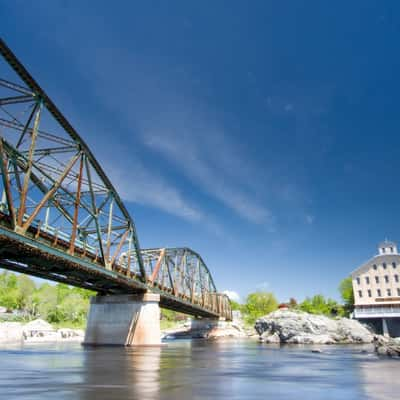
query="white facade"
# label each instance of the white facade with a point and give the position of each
(376, 284)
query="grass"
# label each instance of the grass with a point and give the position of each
(69, 324)
(166, 324)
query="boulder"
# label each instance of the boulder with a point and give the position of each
(207, 329)
(38, 325)
(274, 338)
(71, 334)
(301, 327)
(386, 346)
(352, 331)
(226, 329)
(311, 339)
(11, 332)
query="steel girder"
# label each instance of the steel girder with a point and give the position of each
(55, 192)
(52, 183)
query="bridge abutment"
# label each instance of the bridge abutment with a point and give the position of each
(124, 320)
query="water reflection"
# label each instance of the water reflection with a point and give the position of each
(185, 370)
(381, 379)
(118, 373)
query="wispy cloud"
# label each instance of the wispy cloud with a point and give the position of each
(166, 124)
(232, 295)
(146, 188)
(170, 122)
(206, 157)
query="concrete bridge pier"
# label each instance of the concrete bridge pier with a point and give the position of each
(124, 320)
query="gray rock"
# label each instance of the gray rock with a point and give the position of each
(385, 346)
(311, 339)
(274, 338)
(300, 327)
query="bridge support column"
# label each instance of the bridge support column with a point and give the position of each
(124, 320)
(385, 328)
(203, 323)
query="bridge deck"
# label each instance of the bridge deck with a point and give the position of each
(30, 256)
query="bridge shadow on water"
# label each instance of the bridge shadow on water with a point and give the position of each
(177, 370)
(121, 373)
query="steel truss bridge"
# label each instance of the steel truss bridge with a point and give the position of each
(62, 219)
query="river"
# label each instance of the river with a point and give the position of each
(183, 370)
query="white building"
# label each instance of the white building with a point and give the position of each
(376, 287)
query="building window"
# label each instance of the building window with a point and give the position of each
(367, 280)
(359, 293)
(369, 293)
(379, 292)
(358, 281)
(394, 265)
(391, 249)
(375, 267)
(384, 265)
(377, 279)
(398, 291)
(396, 278)
(383, 250)
(386, 279)
(389, 292)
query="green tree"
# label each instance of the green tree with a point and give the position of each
(8, 290)
(319, 305)
(73, 308)
(258, 304)
(47, 298)
(347, 294)
(235, 305)
(26, 291)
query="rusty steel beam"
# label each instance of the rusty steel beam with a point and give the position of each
(157, 267)
(47, 196)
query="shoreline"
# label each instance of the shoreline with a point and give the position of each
(37, 331)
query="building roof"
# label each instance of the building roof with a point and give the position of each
(387, 243)
(374, 260)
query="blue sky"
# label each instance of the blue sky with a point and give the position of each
(264, 135)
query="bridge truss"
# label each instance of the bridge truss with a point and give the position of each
(62, 219)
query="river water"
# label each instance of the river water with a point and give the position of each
(183, 370)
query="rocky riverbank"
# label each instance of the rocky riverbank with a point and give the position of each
(386, 346)
(297, 327)
(209, 329)
(37, 331)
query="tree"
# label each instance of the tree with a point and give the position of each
(292, 303)
(347, 294)
(26, 290)
(8, 291)
(235, 306)
(258, 304)
(319, 305)
(47, 298)
(73, 308)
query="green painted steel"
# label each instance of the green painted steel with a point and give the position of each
(62, 219)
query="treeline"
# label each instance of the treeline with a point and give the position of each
(61, 304)
(260, 303)
(58, 304)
